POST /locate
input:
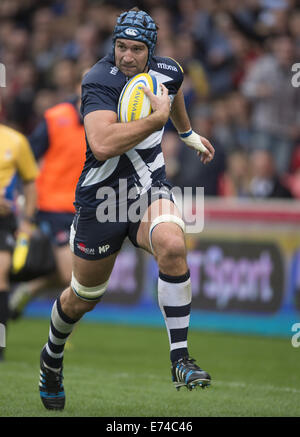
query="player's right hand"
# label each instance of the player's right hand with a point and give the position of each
(5, 205)
(160, 103)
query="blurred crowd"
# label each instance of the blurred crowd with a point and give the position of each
(238, 58)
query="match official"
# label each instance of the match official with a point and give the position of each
(16, 161)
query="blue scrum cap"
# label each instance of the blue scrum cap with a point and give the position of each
(138, 26)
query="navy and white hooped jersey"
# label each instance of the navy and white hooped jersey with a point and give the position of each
(142, 165)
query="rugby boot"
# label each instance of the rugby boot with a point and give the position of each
(185, 372)
(51, 388)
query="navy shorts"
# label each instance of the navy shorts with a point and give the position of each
(56, 225)
(94, 239)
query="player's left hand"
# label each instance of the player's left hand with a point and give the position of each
(201, 144)
(207, 155)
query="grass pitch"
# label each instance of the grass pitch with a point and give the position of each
(124, 371)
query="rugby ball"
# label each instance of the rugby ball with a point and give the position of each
(133, 102)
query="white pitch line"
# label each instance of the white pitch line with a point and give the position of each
(233, 384)
(264, 386)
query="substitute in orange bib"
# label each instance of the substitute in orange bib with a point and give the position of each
(58, 143)
(16, 162)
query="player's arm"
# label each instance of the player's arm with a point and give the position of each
(181, 121)
(28, 170)
(108, 138)
(30, 195)
(39, 139)
(5, 205)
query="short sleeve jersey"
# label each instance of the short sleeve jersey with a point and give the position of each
(142, 165)
(16, 159)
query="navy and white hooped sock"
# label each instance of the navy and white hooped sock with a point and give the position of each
(174, 298)
(61, 327)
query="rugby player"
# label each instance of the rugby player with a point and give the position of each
(16, 163)
(130, 152)
(58, 144)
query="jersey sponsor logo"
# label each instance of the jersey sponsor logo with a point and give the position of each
(114, 70)
(166, 66)
(104, 249)
(131, 32)
(87, 250)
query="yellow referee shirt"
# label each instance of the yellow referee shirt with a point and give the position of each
(16, 158)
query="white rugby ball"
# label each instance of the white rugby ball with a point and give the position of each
(133, 102)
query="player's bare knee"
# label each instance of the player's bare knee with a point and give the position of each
(73, 306)
(170, 249)
(5, 261)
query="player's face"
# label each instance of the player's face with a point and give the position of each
(131, 56)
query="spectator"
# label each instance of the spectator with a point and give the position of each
(21, 106)
(213, 36)
(265, 182)
(235, 180)
(276, 104)
(64, 78)
(193, 68)
(221, 124)
(43, 52)
(164, 19)
(189, 173)
(86, 42)
(238, 109)
(294, 29)
(244, 54)
(292, 179)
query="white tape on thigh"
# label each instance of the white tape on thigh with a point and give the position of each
(88, 293)
(165, 218)
(72, 237)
